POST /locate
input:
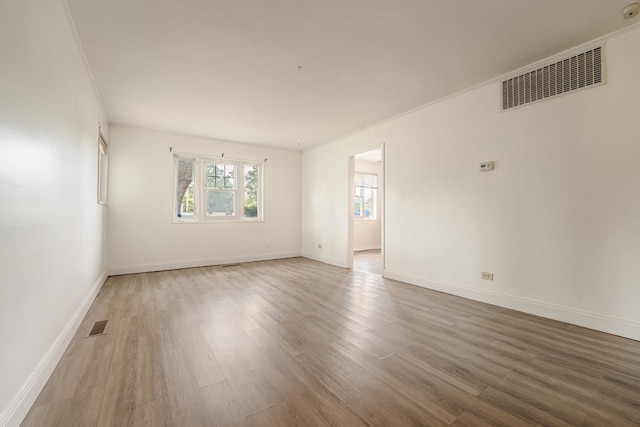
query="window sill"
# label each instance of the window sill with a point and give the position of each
(218, 221)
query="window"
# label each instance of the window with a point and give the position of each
(217, 189)
(103, 169)
(365, 196)
(220, 188)
(185, 174)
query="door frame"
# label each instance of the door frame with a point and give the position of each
(381, 199)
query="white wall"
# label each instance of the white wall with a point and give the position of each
(141, 234)
(367, 233)
(557, 222)
(52, 231)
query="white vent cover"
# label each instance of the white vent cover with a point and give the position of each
(570, 74)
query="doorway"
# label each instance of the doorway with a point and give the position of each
(366, 210)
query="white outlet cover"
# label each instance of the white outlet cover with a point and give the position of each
(486, 166)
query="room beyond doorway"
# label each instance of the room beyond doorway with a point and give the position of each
(366, 237)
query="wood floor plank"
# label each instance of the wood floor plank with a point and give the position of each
(222, 405)
(524, 408)
(297, 342)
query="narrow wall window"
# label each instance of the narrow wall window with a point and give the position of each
(365, 196)
(212, 189)
(103, 169)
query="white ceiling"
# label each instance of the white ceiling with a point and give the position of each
(230, 69)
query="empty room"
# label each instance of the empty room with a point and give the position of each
(319, 213)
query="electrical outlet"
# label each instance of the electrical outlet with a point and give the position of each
(486, 166)
(486, 276)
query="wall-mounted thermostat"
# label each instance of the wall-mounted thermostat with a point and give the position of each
(486, 166)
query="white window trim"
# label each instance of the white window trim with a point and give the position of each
(199, 191)
(103, 169)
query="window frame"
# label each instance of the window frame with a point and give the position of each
(176, 204)
(356, 197)
(103, 170)
(233, 190)
(200, 190)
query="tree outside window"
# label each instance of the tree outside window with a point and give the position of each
(251, 191)
(184, 188)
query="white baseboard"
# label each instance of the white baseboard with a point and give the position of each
(611, 325)
(203, 262)
(326, 260)
(366, 248)
(19, 406)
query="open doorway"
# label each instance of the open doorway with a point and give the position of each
(366, 235)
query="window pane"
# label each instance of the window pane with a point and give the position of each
(357, 206)
(251, 186)
(365, 192)
(369, 204)
(219, 175)
(185, 203)
(221, 203)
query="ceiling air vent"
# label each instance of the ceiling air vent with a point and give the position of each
(570, 74)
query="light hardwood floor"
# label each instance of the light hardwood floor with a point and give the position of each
(296, 342)
(370, 261)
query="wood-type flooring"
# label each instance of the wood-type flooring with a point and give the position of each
(370, 261)
(298, 343)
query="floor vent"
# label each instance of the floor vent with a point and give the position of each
(98, 328)
(570, 74)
